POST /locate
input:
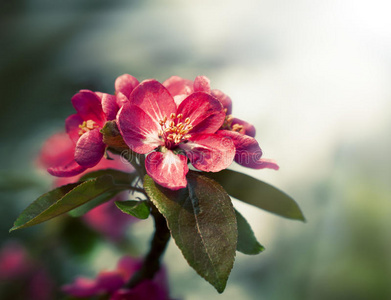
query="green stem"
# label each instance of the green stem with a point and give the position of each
(159, 243)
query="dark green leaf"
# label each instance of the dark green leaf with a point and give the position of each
(118, 176)
(203, 224)
(138, 209)
(64, 199)
(258, 193)
(85, 208)
(247, 243)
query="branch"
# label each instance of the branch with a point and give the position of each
(159, 243)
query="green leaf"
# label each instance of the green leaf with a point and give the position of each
(138, 209)
(247, 243)
(257, 193)
(202, 222)
(85, 208)
(119, 177)
(64, 199)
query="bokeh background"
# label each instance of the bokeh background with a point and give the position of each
(313, 76)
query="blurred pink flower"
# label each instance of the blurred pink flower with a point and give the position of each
(31, 278)
(151, 120)
(112, 282)
(105, 218)
(14, 261)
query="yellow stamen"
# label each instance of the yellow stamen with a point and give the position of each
(175, 131)
(87, 126)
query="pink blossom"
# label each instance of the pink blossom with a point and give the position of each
(180, 88)
(151, 120)
(248, 153)
(31, 278)
(14, 261)
(93, 110)
(105, 218)
(112, 283)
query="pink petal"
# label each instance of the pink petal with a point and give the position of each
(224, 99)
(88, 106)
(72, 168)
(121, 99)
(82, 287)
(178, 86)
(109, 106)
(89, 148)
(205, 112)
(125, 84)
(110, 281)
(14, 261)
(57, 150)
(128, 265)
(72, 126)
(209, 152)
(167, 169)
(248, 153)
(202, 84)
(146, 289)
(249, 129)
(139, 131)
(154, 99)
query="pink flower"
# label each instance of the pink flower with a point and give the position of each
(14, 261)
(248, 153)
(22, 277)
(180, 88)
(93, 110)
(151, 120)
(105, 218)
(111, 283)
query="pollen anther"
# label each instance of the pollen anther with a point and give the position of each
(175, 131)
(87, 126)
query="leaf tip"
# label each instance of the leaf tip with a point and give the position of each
(220, 289)
(261, 248)
(301, 217)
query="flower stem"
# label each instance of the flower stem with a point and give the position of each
(159, 243)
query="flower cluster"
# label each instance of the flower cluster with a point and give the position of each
(112, 283)
(93, 110)
(174, 124)
(166, 146)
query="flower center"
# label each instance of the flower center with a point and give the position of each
(173, 131)
(87, 126)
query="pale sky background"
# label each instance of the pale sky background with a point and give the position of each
(313, 76)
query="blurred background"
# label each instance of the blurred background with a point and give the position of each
(312, 76)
